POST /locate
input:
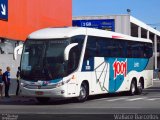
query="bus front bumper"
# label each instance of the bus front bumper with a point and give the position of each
(59, 92)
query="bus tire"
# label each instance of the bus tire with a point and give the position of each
(132, 90)
(139, 88)
(83, 94)
(43, 100)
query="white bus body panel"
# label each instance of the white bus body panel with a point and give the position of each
(99, 78)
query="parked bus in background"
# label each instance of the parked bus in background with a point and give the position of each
(78, 62)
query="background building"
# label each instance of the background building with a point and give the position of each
(19, 18)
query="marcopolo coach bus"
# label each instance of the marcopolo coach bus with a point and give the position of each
(78, 62)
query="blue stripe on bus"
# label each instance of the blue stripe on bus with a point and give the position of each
(88, 67)
(117, 69)
(133, 64)
(45, 83)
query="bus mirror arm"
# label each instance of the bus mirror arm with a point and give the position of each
(17, 50)
(67, 50)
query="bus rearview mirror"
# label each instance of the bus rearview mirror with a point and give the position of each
(67, 50)
(17, 50)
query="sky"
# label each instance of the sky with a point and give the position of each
(147, 11)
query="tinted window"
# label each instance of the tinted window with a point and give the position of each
(108, 47)
(91, 48)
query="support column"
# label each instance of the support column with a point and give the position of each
(139, 32)
(155, 51)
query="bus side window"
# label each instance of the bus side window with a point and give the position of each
(129, 50)
(148, 50)
(91, 48)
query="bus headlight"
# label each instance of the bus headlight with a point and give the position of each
(59, 84)
(23, 84)
(47, 86)
(62, 83)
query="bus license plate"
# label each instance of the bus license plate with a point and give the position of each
(39, 93)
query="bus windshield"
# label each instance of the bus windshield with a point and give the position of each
(44, 59)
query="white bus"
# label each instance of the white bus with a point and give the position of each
(78, 62)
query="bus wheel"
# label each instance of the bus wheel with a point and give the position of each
(83, 94)
(132, 90)
(43, 100)
(140, 88)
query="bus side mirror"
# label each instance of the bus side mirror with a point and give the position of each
(17, 50)
(67, 50)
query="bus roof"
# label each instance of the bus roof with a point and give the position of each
(65, 32)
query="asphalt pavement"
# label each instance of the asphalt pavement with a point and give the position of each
(111, 104)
